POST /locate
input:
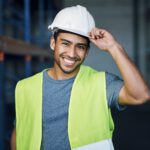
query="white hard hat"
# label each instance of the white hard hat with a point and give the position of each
(75, 19)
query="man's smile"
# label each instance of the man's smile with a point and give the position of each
(69, 61)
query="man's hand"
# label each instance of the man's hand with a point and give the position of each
(102, 39)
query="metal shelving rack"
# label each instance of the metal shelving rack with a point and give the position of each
(25, 22)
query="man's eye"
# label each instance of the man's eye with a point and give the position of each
(81, 47)
(65, 43)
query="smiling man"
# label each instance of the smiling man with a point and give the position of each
(68, 106)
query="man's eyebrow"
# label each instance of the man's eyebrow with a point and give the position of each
(84, 44)
(65, 40)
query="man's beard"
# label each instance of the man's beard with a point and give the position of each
(62, 56)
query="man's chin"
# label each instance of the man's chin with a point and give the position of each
(70, 70)
(67, 71)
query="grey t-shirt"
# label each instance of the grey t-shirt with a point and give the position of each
(56, 95)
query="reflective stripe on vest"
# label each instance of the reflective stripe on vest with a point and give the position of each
(102, 145)
(89, 119)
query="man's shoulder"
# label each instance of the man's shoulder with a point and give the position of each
(89, 69)
(30, 80)
(87, 73)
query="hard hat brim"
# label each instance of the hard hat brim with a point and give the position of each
(51, 28)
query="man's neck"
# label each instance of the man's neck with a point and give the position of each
(58, 74)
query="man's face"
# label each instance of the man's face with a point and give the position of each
(69, 52)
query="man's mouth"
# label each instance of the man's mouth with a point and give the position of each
(69, 61)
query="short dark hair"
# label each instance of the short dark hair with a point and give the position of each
(57, 31)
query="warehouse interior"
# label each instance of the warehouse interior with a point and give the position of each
(24, 51)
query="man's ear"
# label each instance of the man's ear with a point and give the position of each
(52, 43)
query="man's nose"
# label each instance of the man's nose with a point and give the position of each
(72, 52)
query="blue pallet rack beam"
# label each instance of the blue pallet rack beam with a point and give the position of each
(41, 23)
(2, 102)
(27, 20)
(1, 17)
(27, 66)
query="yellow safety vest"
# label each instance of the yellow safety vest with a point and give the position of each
(89, 119)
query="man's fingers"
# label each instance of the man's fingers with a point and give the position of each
(96, 33)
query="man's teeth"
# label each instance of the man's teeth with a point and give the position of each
(69, 61)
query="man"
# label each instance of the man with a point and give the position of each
(68, 106)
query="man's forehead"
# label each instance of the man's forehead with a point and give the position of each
(72, 37)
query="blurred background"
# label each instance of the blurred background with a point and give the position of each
(24, 51)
